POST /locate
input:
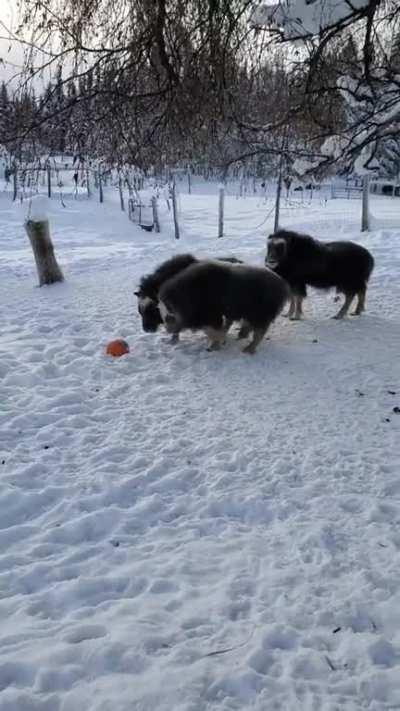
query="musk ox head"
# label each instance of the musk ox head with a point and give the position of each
(277, 249)
(149, 311)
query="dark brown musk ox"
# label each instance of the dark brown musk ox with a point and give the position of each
(147, 293)
(211, 295)
(304, 261)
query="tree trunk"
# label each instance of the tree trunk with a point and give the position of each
(46, 263)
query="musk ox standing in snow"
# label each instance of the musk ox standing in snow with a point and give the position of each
(302, 260)
(150, 285)
(204, 294)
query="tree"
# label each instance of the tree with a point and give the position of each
(348, 51)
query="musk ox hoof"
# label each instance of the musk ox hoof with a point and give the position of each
(174, 339)
(295, 318)
(250, 349)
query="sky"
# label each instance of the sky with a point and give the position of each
(10, 53)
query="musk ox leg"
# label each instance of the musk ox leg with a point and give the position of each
(343, 311)
(174, 338)
(292, 306)
(227, 324)
(360, 303)
(298, 310)
(216, 338)
(244, 331)
(258, 335)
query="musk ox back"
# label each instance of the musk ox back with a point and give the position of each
(201, 296)
(302, 260)
(149, 286)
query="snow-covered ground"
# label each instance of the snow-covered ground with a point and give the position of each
(193, 531)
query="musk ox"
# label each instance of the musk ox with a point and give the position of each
(211, 295)
(304, 261)
(149, 286)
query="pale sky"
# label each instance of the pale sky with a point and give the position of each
(9, 51)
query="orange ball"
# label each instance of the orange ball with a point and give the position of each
(117, 348)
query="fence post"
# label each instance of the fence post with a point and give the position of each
(121, 194)
(175, 210)
(101, 196)
(48, 181)
(278, 194)
(189, 182)
(155, 213)
(221, 212)
(15, 182)
(365, 205)
(88, 182)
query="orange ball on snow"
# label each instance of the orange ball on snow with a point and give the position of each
(117, 348)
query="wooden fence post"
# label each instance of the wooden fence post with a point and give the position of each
(365, 205)
(278, 195)
(221, 212)
(101, 195)
(175, 210)
(121, 194)
(15, 182)
(155, 213)
(49, 181)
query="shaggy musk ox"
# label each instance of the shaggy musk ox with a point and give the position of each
(302, 260)
(147, 293)
(204, 294)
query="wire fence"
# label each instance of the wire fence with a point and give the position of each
(142, 197)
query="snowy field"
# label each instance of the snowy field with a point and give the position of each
(193, 531)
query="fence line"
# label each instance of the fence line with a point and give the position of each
(26, 182)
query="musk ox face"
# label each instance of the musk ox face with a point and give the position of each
(150, 313)
(277, 249)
